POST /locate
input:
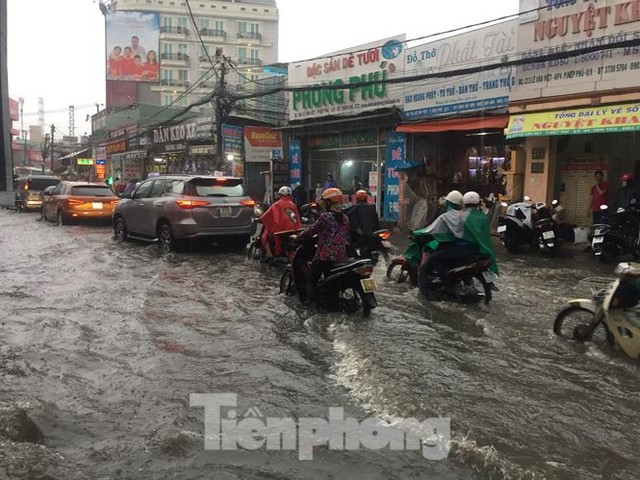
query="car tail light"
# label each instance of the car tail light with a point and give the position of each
(386, 235)
(114, 202)
(248, 203)
(365, 271)
(189, 204)
(71, 201)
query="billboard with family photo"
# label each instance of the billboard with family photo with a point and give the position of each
(132, 46)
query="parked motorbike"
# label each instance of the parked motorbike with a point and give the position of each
(529, 224)
(468, 278)
(620, 237)
(611, 313)
(349, 288)
(309, 213)
(371, 248)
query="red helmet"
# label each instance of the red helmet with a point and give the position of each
(625, 177)
(361, 195)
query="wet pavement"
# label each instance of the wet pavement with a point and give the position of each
(103, 344)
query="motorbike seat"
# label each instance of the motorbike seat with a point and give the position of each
(342, 267)
(482, 261)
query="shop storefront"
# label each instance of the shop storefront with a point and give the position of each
(564, 148)
(578, 113)
(343, 131)
(185, 147)
(455, 124)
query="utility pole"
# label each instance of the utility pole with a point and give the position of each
(23, 131)
(45, 150)
(222, 110)
(53, 131)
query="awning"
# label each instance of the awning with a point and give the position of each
(601, 119)
(74, 154)
(464, 124)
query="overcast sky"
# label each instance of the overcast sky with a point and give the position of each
(56, 48)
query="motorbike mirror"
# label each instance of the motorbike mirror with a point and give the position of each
(621, 268)
(604, 207)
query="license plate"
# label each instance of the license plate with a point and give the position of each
(502, 228)
(548, 235)
(368, 285)
(224, 212)
(597, 240)
(489, 276)
(97, 205)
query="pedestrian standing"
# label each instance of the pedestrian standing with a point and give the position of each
(599, 197)
(319, 190)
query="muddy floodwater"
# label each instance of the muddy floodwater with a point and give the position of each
(101, 346)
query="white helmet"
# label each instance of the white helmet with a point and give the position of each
(454, 196)
(284, 191)
(471, 198)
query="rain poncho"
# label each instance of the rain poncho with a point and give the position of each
(281, 216)
(468, 225)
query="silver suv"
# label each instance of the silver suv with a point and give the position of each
(172, 209)
(29, 190)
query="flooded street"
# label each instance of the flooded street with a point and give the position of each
(102, 346)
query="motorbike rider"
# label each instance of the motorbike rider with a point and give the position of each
(458, 234)
(332, 229)
(281, 216)
(363, 221)
(628, 192)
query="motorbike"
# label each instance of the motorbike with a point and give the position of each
(371, 248)
(309, 213)
(348, 288)
(469, 278)
(620, 237)
(610, 315)
(529, 224)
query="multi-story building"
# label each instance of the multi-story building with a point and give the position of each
(244, 31)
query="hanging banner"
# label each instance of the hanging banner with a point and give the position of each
(394, 158)
(603, 119)
(259, 142)
(557, 26)
(232, 150)
(485, 90)
(362, 70)
(295, 165)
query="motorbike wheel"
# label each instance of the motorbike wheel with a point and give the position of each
(510, 244)
(395, 273)
(608, 254)
(486, 296)
(287, 286)
(255, 252)
(573, 323)
(352, 299)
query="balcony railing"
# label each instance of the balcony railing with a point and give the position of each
(174, 83)
(177, 30)
(250, 61)
(250, 35)
(209, 32)
(174, 56)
